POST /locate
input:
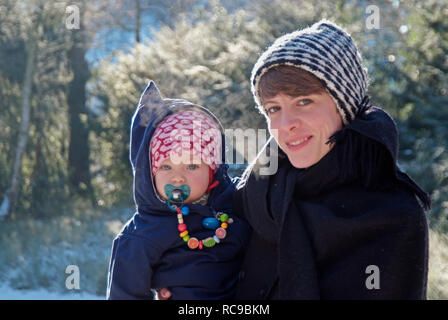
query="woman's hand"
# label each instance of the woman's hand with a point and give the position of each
(163, 294)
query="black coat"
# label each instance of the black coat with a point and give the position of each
(332, 230)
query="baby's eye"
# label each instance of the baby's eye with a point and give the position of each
(304, 102)
(271, 110)
(165, 167)
(192, 167)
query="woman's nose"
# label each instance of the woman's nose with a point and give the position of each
(289, 122)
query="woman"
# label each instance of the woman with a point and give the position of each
(338, 220)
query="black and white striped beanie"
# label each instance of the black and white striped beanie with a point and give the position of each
(329, 53)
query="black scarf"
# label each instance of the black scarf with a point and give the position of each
(363, 161)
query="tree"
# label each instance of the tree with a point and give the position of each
(33, 31)
(79, 150)
(141, 17)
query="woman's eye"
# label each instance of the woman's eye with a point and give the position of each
(304, 102)
(165, 167)
(192, 167)
(271, 110)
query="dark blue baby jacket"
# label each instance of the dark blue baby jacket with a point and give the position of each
(148, 253)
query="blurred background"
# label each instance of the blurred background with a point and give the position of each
(71, 75)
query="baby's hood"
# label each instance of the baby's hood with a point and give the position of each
(151, 110)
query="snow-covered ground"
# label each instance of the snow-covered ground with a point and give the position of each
(7, 293)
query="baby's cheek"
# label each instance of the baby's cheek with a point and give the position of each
(200, 182)
(159, 187)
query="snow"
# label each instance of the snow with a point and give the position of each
(7, 293)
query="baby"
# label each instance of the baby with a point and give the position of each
(183, 236)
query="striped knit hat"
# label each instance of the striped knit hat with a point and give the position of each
(330, 54)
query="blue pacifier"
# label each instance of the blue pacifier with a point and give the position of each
(176, 194)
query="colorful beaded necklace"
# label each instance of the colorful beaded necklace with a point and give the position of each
(176, 197)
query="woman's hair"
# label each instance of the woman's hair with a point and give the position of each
(289, 80)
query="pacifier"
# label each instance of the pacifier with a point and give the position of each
(176, 194)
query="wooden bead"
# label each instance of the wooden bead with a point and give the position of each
(210, 223)
(209, 242)
(193, 243)
(221, 233)
(183, 234)
(185, 211)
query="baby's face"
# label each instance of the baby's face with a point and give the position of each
(195, 174)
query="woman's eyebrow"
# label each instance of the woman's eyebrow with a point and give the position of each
(269, 101)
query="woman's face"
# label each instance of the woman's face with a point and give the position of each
(302, 125)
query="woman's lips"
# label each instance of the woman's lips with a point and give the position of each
(298, 143)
